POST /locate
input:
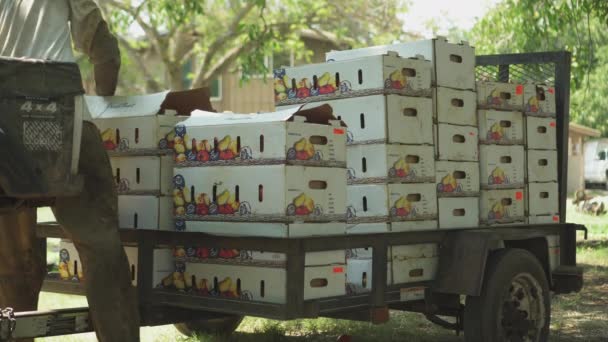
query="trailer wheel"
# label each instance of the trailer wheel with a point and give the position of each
(514, 304)
(217, 326)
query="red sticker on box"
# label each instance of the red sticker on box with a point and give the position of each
(519, 89)
(556, 251)
(555, 218)
(472, 134)
(519, 195)
(551, 90)
(338, 131)
(552, 123)
(338, 270)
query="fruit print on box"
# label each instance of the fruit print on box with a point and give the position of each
(502, 206)
(539, 99)
(500, 95)
(501, 127)
(413, 202)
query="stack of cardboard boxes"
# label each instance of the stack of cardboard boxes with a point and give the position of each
(502, 157)
(278, 174)
(541, 153)
(137, 135)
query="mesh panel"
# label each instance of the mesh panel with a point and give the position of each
(40, 135)
(519, 73)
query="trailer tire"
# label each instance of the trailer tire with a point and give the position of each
(515, 289)
(217, 326)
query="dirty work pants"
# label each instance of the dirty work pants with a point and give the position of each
(91, 222)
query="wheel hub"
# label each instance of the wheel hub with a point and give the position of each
(522, 311)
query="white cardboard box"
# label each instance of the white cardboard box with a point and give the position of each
(543, 219)
(408, 226)
(359, 275)
(385, 118)
(457, 179)
(453, 106)
(414, 263)
(265, 284)
(541, 133)
(461, 212)
(145, 212)
(500, 95)
(387, 71)
(501, 127)
(267, 193)
(543, 198)
(294, 135)
(391, 202)
(542, 165)
(380, 163)
(539, 99)
(143, 175)
(502, 166)
(457, 143)
(502, 206)
(132, 122)
(454, 64)
(279, 230)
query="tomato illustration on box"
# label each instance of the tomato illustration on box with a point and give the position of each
(401, 169)
(496, 132)
(303, 149)
(498, 176)
(449, 184)
(303, 205)
(403, 208)
(498, 212)
(183, 281)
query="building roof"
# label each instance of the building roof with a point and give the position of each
(584, 130)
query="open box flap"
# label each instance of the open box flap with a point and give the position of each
(313, 114)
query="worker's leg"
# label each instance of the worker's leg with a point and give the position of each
(22, 263)
(91, 221)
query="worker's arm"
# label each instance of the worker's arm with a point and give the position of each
(91, 36)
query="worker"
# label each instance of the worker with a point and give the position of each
(46, 29)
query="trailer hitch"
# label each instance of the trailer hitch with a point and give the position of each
(8, 323)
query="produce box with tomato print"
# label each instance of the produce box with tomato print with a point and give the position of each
(457, 179)
(254, 283)
(292, 136)
(501, 127)
(500, 95)
(502, 206)
(133, 124)
(502, 166)
(356, 77)
(266, 193)
(539, 99)
(380, 163)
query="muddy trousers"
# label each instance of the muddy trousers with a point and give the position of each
(91, 222)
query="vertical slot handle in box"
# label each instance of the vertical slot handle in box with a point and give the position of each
(364, 203)
(318, 140)
(135, 220)
(238, 143)
(117, 136)
(262, 289)
(360, 76)
(260, 193)
(319, 282)
(215, 143)
(262, 143)
(337, 82)
(238, 286)
(315, 82)
(237, 193)
(117, 175)
(137, 175)
(137, 135)
(364, 280)
(455, 58)
(75, 268)
(293, 84)
(132, 272)
(317, 184)
(214, 194)
(192, 191)
(362, 120)
(364, 164)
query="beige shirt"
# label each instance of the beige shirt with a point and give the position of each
(39, 28)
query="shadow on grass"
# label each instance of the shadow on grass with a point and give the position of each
(593, 244)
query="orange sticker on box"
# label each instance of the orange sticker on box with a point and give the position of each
(338, 131)
(551, 90)
(519, 195)
(552, 124)
(555, 218)
(519, 89)
(338, 270)
(472, 134)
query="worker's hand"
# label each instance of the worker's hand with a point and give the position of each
(105, 56)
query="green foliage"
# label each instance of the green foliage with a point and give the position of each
(578, 26)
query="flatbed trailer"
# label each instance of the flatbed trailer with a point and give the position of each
(466, 256)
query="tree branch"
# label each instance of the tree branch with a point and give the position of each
(151, 83)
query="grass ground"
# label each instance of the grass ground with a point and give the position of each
(582, 316)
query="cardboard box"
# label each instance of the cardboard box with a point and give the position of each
(380, 163)
(454, 64)
(415, 263)
(132, 122)
(457, 143)
(295, 136)
(385, 119)
(543, 198)
(143, 175)
(264, 284)
(69, 261)
(502, 206)
(359, 275)
(542, 165)
(278, 230)
(502, 166)
(501, 127)
(461, 212)
(500, 95)
(357, 76)
(366, 228)
(391, 202)
(408, 226)
(145, 212)
(262, 193)
(459, 179)
(543, 219)
(539, 99)
(453, 106)
(541, 133)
